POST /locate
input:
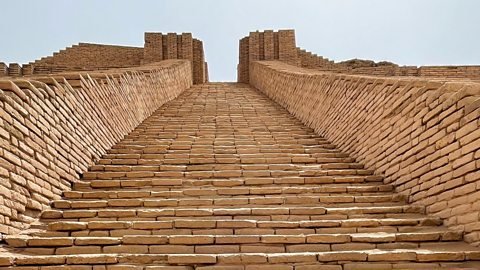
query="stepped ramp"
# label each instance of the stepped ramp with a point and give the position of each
(224, 178)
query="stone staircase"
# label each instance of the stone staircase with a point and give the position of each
(224, 178)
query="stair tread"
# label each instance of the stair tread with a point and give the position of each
(353, 236)
(450, 253)
(240, 201)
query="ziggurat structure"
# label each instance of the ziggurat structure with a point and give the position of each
(124, 158)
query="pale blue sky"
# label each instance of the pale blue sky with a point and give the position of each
(408, 32)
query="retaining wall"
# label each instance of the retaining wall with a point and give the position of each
(53, 128)
(422, 135)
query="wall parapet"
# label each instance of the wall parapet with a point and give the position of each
(421, 134)
(53, 128)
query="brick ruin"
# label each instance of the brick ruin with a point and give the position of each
(115, 158)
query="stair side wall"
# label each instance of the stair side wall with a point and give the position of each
(53, 128)
(422, 135)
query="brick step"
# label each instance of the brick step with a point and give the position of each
(280, 211)
(162, 127)
(327, 163)
(288, 136)
(215, 192)
(321, 155)
(107, 229)
(262, 261)
(113, 228)
(153, 214)
(235, 151)
(466, 265)
(150, 145)
(312, 200)
(325, 225)
(292, 137)
(218, 244)
(205, 174)
(156, 131)
(227, 151)
(260, 155)
(239, 152)
(278, 184)
(337, 221)
(164, 159)
(129, 204)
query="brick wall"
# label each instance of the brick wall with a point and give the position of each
(199, 72)
(450, 72)
(87, 56)
(472, 72)
(267, 45)
(422, 135)
(3, 69)
(270, 45)
(53, 128)
(94, 56)
(14, 69)
(313, 61)
(160, 46)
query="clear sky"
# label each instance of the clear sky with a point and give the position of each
(407, 32)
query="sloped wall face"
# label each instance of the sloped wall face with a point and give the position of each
(52, 130)
(423, 136)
